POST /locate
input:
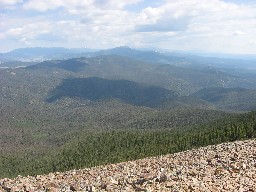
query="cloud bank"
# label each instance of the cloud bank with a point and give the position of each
(197, 25)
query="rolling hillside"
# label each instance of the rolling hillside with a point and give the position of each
(182, 80)
(229, 98)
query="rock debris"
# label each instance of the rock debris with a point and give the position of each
(217, 168)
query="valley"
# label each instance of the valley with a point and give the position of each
(116, 105)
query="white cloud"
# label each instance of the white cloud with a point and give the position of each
(2, 36)
(39, 5)
(238, 32)
(28, 32)
(114, 4)
(14, 31)
(175, 16)
(184, 24)
(10, 2)
(200, 24)
(76, 5)
(25, 41)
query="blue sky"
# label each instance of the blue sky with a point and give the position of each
(188, 25)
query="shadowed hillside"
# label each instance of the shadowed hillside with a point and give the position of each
(180, 79)
(101, 89)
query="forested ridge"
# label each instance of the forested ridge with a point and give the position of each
(104, 147)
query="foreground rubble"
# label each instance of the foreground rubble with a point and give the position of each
(224, 167)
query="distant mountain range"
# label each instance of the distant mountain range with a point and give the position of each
(42, 54)
(175, 58)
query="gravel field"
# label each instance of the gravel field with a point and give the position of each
(224, 167)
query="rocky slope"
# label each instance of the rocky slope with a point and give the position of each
(224, 167)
